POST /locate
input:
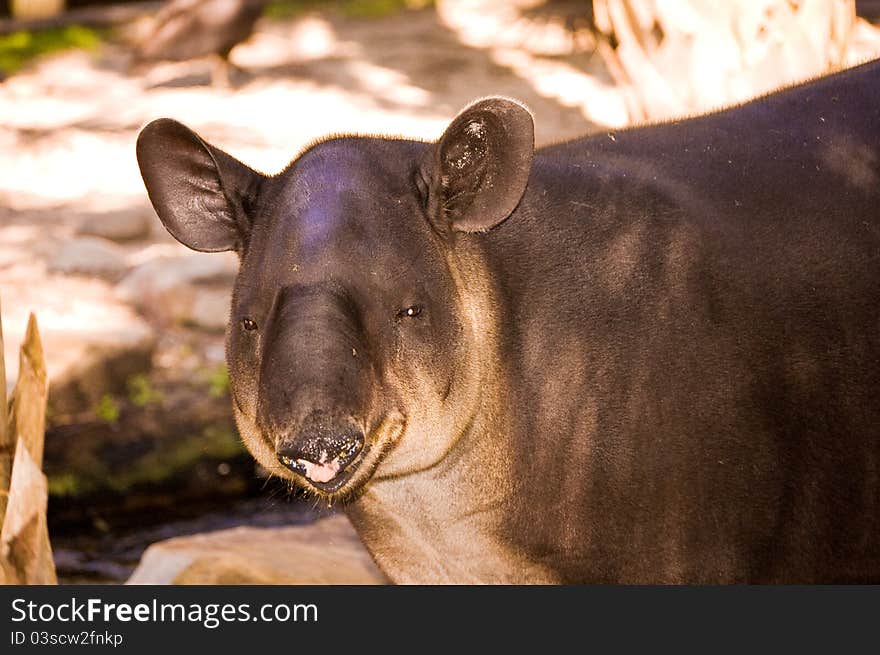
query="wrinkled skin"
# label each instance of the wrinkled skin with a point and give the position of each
(646, 358)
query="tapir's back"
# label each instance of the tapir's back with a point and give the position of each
(711, 357)
(809, 154)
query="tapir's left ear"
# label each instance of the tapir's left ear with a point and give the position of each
(480, 166)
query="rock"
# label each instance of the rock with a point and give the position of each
(130, 224)
(92, 342)
(327, 551)
(209, 309)
(193, 289)
(193, 268)
(67, 560)
(89, 256)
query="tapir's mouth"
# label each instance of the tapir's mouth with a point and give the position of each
(349, 471)
(327, 476)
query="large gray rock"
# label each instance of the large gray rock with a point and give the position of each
(327, 551)
(129, 224)
(193, 289)
(91, 256)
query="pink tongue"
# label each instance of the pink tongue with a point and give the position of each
(320, 472)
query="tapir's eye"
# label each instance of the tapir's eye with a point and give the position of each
(249, 324)
(410, 312)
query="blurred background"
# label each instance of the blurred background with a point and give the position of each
(140, 444)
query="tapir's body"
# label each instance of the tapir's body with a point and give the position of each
(661, 364)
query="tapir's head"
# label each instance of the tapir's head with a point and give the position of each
(356, 321)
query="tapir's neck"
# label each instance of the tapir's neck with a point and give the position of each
(446, 523)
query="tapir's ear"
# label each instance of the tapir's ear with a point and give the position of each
(199, 192)
(480, 166)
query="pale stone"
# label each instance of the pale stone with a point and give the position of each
(89, 256)
(325, 552)
(193, 289)
(130, 224)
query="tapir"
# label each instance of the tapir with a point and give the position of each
(649, 355)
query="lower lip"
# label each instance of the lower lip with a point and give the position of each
(342, 477)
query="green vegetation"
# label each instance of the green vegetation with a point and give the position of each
(218, 381)
(107, 409)
(170, 458)
(350, 8)
(19, 48)
(63, 484)
(141, 392)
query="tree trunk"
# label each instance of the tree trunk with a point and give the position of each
(6, 440)
(678, 57)
(25, 551)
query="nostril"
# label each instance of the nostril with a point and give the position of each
(291, 463)
(350, 445)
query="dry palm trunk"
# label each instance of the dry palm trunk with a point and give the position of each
(6, 442)
(678, 57)
(35, 8)
(25, 552)
(27, 408)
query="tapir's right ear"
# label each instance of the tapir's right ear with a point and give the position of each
(200, 193)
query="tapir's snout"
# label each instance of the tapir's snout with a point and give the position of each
(317, 385)
(322, 449)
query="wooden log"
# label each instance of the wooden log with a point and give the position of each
(27, 408)
(24, 537)
(6, 441)
(25, 551)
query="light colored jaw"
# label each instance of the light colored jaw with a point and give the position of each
(451, 540)
(427, 517)
(434, 425)
(258, 448)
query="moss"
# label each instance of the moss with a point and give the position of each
(64, 484)
(281, 9)
(166, 460)
(141, 392)
(218, 381)
(107, 409)
(18, 48)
